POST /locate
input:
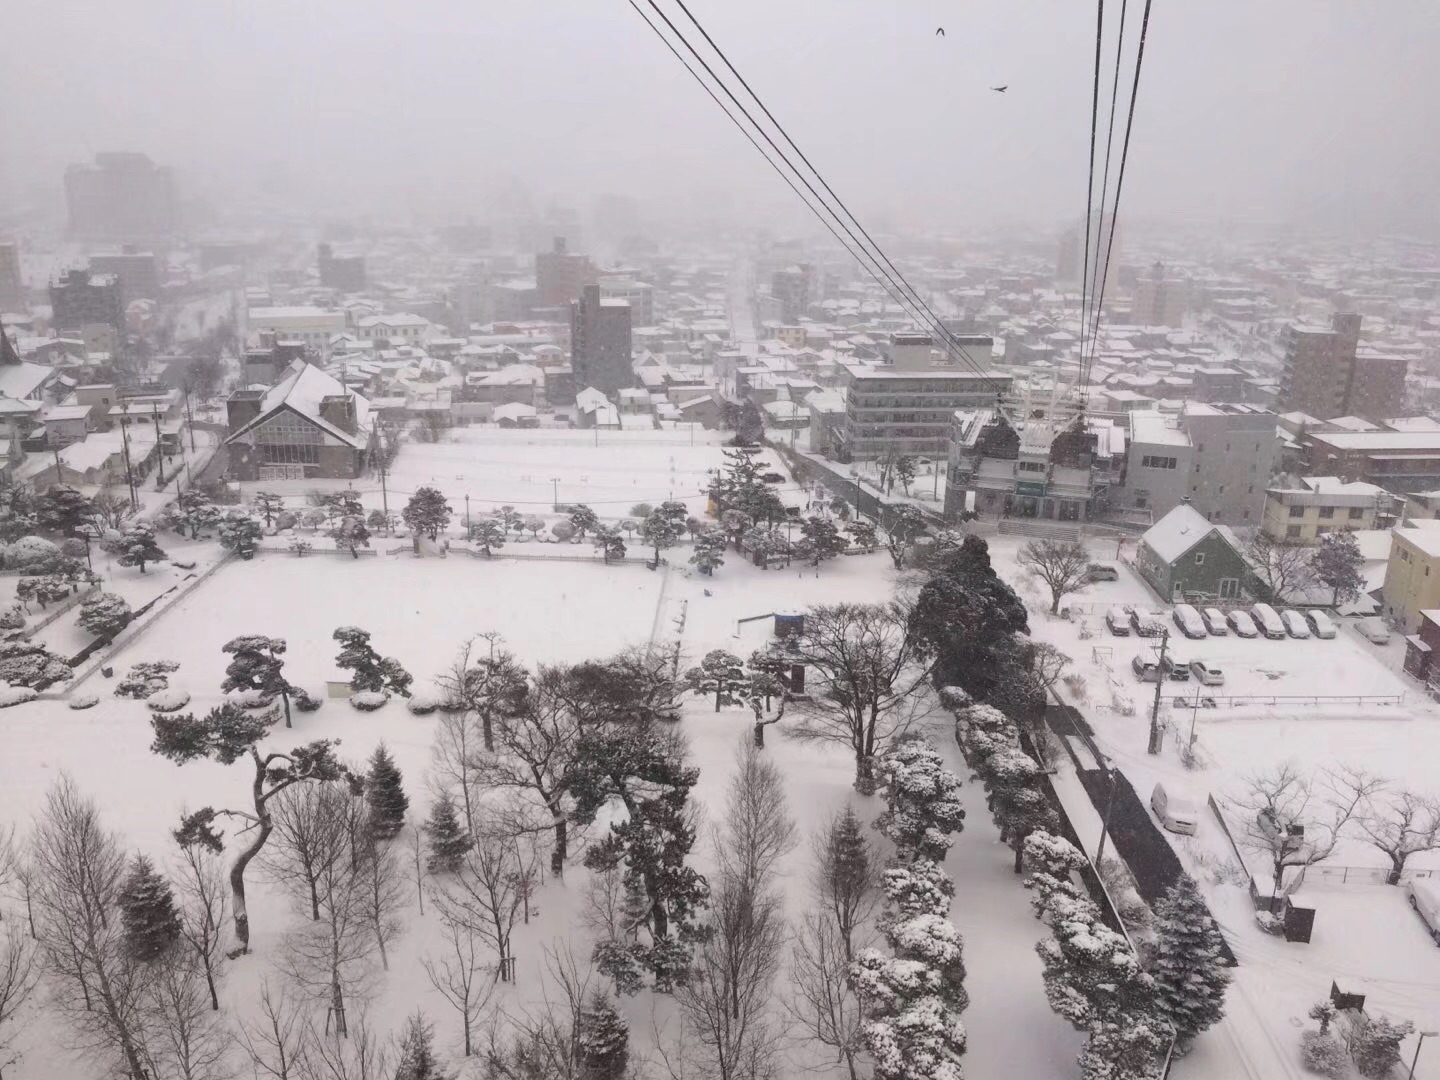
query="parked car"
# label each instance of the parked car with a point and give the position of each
(1268, 620)
(1207, 674)
(1320, 624)
(1146, 625)
(1214, 621)
(1424, 894)
(1374, 630)
(1118, 620)
(1189, 621)
(1178, 815)
(1146, 670)
(1295, 624)
(1177, 669)
(1242, 624)
(1101, 572)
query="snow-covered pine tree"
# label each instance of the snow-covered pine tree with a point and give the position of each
(240, 533)
(1130, 1046)
(720, 673)
(136, 547)
(1050, 859)
(104, 614)
(148, 917)
(385, 795)
(417, 1059)
(922, 800)
(602, 1039)
(1376, 1045)
(427, 512)
(709, 553)
(359, 657)
(145, 678)
(256, 665)
(1189, 964)
(447, 841)
(922, 888)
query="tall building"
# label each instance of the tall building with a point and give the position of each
(791, 287)
(600, 348)
(1377, 385)
(1159, 301)
(561, 275)
(1318, 366)
(12, 289)
(81, 299)
(123, 196)
(137, 271)
(343, 273)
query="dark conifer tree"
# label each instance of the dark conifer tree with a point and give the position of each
(148, 916)
(385, 794)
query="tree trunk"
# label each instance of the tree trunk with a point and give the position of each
(285, 697)
(1055, 602)
(237, 871)
(717, 699)
(210, 984)
(314, 898)
(487, 728)
(1397, 867)
(562, 843)
(1020, 857)
(759, 734)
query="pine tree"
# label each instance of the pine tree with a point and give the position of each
(150, 922)
(268, 505)
(257, 666)
(603, 1040)
(136, 547)
(359, 657)
(720, 673)
(922, 800)
(448, 842)
(417, 1052)
(384, 795)
(241, 534)
(709, 551)
(427, 512)
(1189, 966)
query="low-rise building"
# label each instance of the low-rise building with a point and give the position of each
(1184, 556)
(1305, 509)
(306, 426)
(1412, 576)
(314, 326)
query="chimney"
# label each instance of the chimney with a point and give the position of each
(241, 407)
(339, 410)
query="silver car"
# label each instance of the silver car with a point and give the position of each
(1424, 894)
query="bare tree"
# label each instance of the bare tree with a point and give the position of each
(19, 975)
(311, 836)
(200, 884)
(484, 896)
(460, 978)
(10, 864)
(1061, 564)
(381, 882)
(727, 996)
(362, 1055)
(1284, 570)
(487, 681)
(275, 1041)
(544, 1041)
(1284, 817)
(455, 761)
(415, 850)
(187, 1040)
(822, 1002)
(78, 869)
(866, 680)
(1400, 824)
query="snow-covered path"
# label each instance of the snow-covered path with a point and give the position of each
(1012, 1031)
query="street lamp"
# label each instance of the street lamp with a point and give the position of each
(555, 491)
(1419, 1043)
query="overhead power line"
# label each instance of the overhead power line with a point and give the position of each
(875, 261)
(1092, 316)
(1090, 186)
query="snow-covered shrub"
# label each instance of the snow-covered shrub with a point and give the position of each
(168, 700)
(369, 700)
(1376, 1045)
(84, 701)
(12, 618)
(15, 695)
(953, 697)
(74, 547)
(1271, 924)
(182, 564)
(29, 551)
(285, 520)
(306, 701)
(1075, 683)
(1324, 1054)
(253, 699)
(426, 698)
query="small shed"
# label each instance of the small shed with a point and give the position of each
(1183, 555)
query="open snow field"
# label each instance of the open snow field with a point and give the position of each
(420, 610)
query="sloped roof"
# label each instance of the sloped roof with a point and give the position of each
(1180, 530)
(302, 390)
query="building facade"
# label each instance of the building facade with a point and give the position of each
(1377, 385)
(307, 426)
(909, 412)
(561, 275)
(81, 299)
(1159, 301)
(137, 271)
(12, 288)
(1303, 512)
(343, 273)
(122, 196)
(1184, 556)
(312, 326)
(600, 343)
(1412, 576)
(1318, 367)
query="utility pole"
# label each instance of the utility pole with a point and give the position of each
(384, 495)
(1156, 737)
(129, 471)
(189, 419)
(467, 515)
(555, 493)
(1105, 819)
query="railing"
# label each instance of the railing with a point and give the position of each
(1039, 527)
(1236, 701)
(1234, 847)
(1362, 875)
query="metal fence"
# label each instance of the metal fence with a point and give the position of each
(1360, 875)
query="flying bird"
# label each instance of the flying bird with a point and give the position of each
(1000, 89)
(940, 31)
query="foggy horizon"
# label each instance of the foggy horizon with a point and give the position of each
(1297, 113)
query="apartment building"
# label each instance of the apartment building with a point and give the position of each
(1302, 511)
(1412, 576)
(1326, 374)
(1398, 461)
(80, 299)
(12, 288)
(561, 275)
(600, 342)
(137, 271)
(313, 326)
(121, 196)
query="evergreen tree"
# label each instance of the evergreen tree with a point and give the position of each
(384, 794)
(148, 917)
(268, 505)
(350, 534)
(448, 842)
(583, 520)
(489, 533)
(256, 665)
(417, 1052)
(602, 1039)
(720, 673)
(664, 527)
(709, 551)
(863, 533)
(609, 543)
(28, 663)
(64, 509)
(821, 540)
(136, 547)
(427, 512)
(749, 425)
(359, 657)
(1336, 563)
(922, 799)
(1189, 966)
(193, 510)
(241, 534)
(104, 614)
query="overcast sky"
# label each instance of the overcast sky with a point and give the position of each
(1257, 109)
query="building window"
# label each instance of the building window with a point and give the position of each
(1250, 491)
(1292, 532)
(1356, 513)
(1247, 515)
(1297, 511)
(1199, 558)
(1327, 512)
(1222, 489)
(1404, 555)
(1149, 461)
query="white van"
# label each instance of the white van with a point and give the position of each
(1268, 620)
(1320, 624)
(1295, 624)
(1188, 619)
(1176, 814)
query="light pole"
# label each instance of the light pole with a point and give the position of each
(555, 493)
(1419, 1043)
